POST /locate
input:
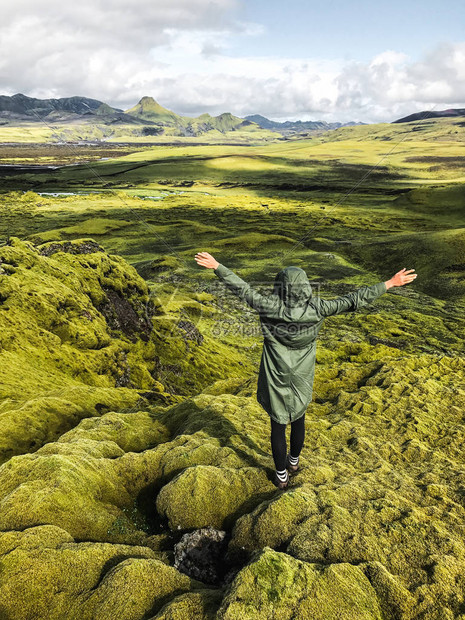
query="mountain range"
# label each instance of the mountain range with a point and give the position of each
(150, 115)
(149, 118)
(296, 126)
(153, 118)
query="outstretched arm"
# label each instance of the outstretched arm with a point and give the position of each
(236, 285)
(364, 295)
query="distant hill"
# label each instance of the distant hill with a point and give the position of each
(22, 105)
(152, 118)
(296, 126)
(83, 118)
(418, 116)
(149, 109)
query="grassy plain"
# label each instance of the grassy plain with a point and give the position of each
(375, 197)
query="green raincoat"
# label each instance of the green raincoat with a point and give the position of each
(290, 320)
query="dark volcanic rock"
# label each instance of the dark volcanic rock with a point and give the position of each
(199, 554)
(190, 331)
(84, 247)
(121, 315)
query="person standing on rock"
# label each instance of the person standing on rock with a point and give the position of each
(290, 320)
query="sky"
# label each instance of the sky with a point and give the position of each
(337, 60)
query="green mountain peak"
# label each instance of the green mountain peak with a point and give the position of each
(151, 110)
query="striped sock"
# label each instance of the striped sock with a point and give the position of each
(293, 460)
(282, 475)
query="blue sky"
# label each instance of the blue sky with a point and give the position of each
(353, 30)
(334, 60)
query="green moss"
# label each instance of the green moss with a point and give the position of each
(395, 600)
(94, 227)
(132, 432)
(276, 585)
(80, 580)
(51, 303)
(115, 596)
(200, 605)
(204, 495)
(273, 523)
(380, 485)
(25, 426)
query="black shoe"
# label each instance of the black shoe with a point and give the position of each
(278, 483)
(291, 468)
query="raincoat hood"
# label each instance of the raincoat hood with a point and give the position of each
(292, 286)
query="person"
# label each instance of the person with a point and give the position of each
(290, 319)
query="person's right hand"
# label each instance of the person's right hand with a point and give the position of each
(206, 260)
(404, 276)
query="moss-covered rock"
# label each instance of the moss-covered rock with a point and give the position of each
(273, 522)
(55, 344)
(275, 585)
(134, 423)
(80, 580)
(25, 426)
(132, 432)
(204, 495)
(134, 588)
(395, 599)
(201, 605)
(80, 333)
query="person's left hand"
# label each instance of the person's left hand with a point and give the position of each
(206, 260)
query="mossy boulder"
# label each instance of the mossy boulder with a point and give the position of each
(89, 480)
(205, 495)
(276, 585)
(235, 421)
(132, 432)
(395, 599)
(25, 426)
(46, 574)
(201, 605)
(272, 523)
(80, 334)
(134, 588)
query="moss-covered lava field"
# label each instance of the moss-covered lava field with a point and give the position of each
(128, 415)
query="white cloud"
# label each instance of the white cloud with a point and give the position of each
(182, 52)
(56, 48)
(393, 85)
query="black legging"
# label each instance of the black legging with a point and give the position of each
(278, 440)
